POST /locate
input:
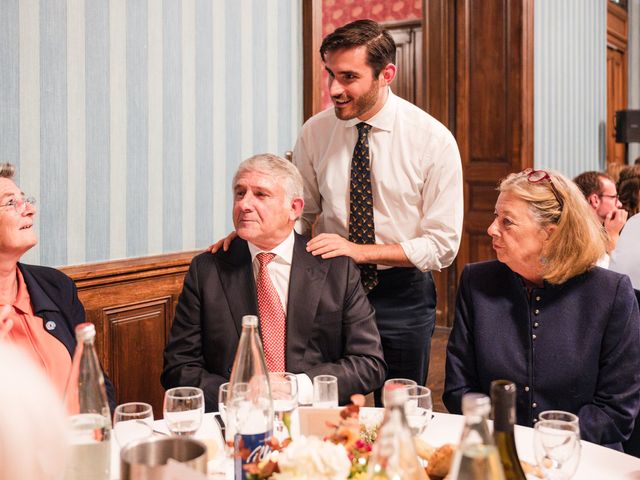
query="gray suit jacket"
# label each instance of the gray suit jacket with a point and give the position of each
(331, 325)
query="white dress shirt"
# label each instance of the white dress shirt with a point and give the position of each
(279, 270)
(626, 257)
(416, 178)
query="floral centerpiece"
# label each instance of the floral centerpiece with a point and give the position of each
(341, 455)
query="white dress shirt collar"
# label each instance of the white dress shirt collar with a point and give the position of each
(383, 120)
(283, 252)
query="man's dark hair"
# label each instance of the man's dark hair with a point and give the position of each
(381, 49)
(589, 182)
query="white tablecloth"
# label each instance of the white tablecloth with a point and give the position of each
(596, 462)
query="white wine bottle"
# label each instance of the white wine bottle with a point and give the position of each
(503, 401)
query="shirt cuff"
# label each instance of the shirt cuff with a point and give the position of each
(305, 389)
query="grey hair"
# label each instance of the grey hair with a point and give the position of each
(278, 168)
(7, 170)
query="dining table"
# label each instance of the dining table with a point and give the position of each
(596, 462)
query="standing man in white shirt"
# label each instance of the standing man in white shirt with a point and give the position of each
(383, 185)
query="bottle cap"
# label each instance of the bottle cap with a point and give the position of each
(476, 404)
(249, 321)
(85, 331)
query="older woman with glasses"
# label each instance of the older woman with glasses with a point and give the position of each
(566, 332)
(39, 306)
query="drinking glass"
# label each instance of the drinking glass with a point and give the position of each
(560, 415)
(557, 448)
(132, 421)
(225, 432)
(396, 383)
(183, 410)
(284, 391)
(418, 408)
(325, 391)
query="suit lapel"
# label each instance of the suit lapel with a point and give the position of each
(236, 277)
(306, 282)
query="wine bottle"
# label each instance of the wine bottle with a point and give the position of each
(88, 409)
(477, 457)
(503, 400)
(249, 405)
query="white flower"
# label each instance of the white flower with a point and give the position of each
(309, 458)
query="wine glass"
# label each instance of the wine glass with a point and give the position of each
(223, 399)
(325, 391)
(183, 410)
(132, 421)
(418, 408)
(284, 391)
(560, 415)
(225, 430)
(396, 383)
(557, 448)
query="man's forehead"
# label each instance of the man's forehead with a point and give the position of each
(255, 178)
(348, 58)
(607, 186)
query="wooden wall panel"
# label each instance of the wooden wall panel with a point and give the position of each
(494, 108)
(617, 98)
(132, 303)
(138, 333)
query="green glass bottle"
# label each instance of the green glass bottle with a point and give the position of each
(503, 401)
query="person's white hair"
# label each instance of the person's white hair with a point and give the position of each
(33, 435)
(279, 168)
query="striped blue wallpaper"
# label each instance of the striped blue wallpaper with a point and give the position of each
(570, 85)
(127, 119)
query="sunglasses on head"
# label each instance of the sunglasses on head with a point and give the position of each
(537, 176)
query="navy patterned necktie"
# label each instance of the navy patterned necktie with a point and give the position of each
(361, 226)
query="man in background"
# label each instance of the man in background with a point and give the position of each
(600, 191)
(383, 185)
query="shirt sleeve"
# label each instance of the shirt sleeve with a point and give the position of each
(442, 209)
(312, 198)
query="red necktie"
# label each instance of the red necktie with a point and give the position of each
(272, 318)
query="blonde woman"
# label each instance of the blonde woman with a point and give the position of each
(566, 332)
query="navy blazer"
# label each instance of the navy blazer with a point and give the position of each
(573, 347)
(54, 298)
(330, 328)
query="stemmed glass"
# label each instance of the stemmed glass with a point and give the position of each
(132, 421)
(284, 391)
(226, 431)
(557, 448)
(183, 410)
(418, 408)
(396, 383)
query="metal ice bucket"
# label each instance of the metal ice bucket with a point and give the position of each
(146, 459)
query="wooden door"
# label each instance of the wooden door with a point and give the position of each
(616, 78)
(494, 108)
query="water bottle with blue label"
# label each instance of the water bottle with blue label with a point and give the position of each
(250, 407)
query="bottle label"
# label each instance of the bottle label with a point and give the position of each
(249, 448)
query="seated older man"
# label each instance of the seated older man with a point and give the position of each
(322, 322)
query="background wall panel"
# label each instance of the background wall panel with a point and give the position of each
(570, 85)
(127, 121)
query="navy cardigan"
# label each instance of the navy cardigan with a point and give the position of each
(54, 298)
(573, 347)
